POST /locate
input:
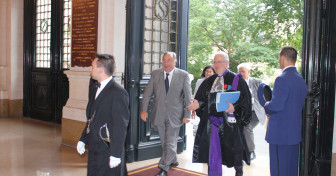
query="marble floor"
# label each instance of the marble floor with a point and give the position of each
(33, 148)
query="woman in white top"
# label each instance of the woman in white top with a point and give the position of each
(206, 73)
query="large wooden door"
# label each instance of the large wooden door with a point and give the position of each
(45, 85)
(153, 28)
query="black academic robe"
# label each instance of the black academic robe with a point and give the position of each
(233, 144)
(110, 107)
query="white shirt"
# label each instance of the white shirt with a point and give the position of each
(247, 81)
(102, 85)
(170, 76)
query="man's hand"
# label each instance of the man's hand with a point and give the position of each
(194, 105)
(114, 162)
(80, 147)
(231, 108)
(144, 115)
(185, 120)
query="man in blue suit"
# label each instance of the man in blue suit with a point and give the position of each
(285, 116)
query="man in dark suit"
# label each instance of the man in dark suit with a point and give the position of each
(258, 112)
(108, 117)
(172, 92)
(285, 116)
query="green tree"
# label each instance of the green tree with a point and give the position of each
(279, 23)
(249, 30)
(215, 24)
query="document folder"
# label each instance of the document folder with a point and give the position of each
(222, 97)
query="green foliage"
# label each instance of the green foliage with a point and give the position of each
(251, 31)
(253, 53)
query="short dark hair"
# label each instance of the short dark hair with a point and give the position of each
(107, 62)
(289, 52)
(205, 68)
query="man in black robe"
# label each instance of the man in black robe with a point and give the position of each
(222, 132)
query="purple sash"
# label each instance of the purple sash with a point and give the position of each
(223, 73)
(215, 147)
(235, 81)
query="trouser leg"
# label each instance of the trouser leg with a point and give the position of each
(284, 160)
(248, 131)
(239, 170)
(168, 137)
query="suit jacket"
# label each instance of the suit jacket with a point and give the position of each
(258, 109)
(172, 105)
(285, 108)
(110, 107)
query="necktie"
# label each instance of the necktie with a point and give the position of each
(219, 87)
(167, 82)
(98, 84)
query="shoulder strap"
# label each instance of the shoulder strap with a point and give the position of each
(235, 81)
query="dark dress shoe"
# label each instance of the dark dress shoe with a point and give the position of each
(162, 173)
(252, 155)
(239, 170)
(172, 165)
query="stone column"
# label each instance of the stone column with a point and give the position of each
(74, 112)
(11, 65)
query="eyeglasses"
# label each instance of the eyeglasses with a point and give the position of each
(218, 62)
(167, 60)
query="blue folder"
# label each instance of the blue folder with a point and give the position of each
(222, 97)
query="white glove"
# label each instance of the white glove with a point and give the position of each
(114, 162)
(80, 147)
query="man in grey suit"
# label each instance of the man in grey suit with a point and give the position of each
(258, 112)
(172, 92)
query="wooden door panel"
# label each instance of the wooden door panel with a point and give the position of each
(41, 96)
